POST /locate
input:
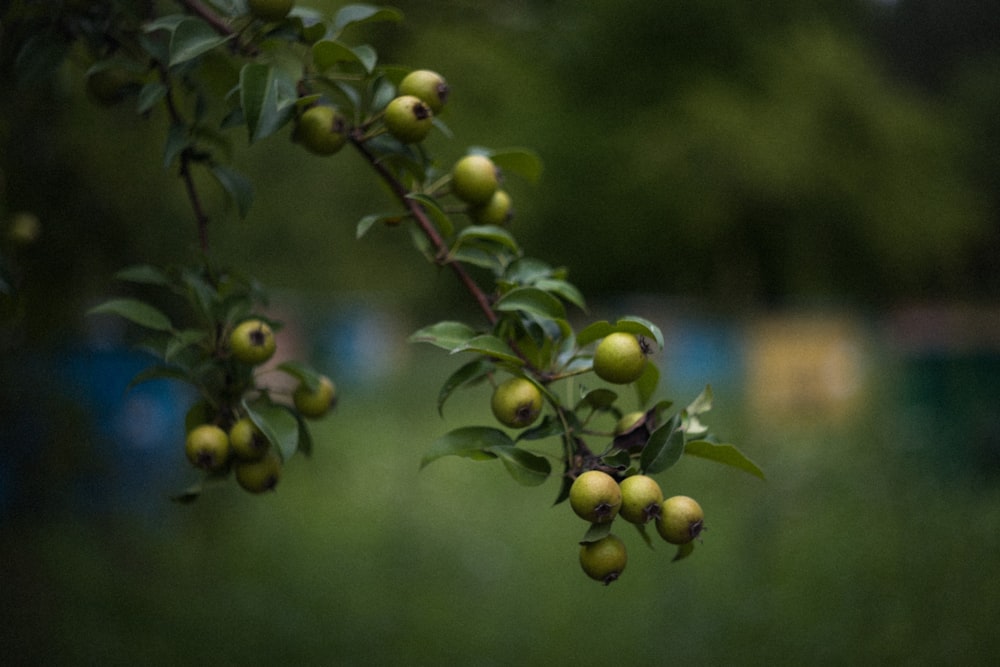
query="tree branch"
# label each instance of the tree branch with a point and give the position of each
(428, 229)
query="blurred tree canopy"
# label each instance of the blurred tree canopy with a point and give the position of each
(739, 154)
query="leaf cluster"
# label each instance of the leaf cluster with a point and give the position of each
(198, 352)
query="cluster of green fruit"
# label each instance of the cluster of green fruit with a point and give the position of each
(323, 129)
(597, 497)
(245, 448)
(340, 97)
(620, 358)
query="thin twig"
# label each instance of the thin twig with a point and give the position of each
(429, 230)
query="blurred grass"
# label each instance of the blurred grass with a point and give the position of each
(852, 552)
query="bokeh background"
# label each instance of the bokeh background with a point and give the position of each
(803, 195)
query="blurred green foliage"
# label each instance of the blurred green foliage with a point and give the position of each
(736, 153)
(850, 553)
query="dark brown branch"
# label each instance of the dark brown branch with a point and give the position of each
(429, 230)
(199, 9)
(187, 156)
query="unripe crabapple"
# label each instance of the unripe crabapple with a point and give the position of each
(259, 476)
(516, 402)
(252, 342)
(642, 499)
(408, 118)
(497, 210)
(605, 559)
(619, 358)
(681, 520)
(207, 447)
(321, 130)
(247, 441)
(428, 85)
(595, 496)
(315, 403)
(474, 179)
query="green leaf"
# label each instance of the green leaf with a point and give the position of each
(327, 53)
(467, 374)
(188, 495)
(267, 100)
(182, 340)
(135, 311)
(641, 327)
(363, 13)
(191, 38)
(447, 335)
(647, 383)
(158, 372)
(533, 301)
(567, 291)
(633, 325)
(723, 453)
(479, 256)
(433, 208)
(683, 551)
(472, 442)
(596, 532)
(168, 23)
(278, 424)
(237, 186)
(149, 96)
(487, 233)
(641, 527)
(618, 459)
(664, 448)
(305, 436)
(699, 406)
(550, 426)
(527, 468)
(369, 221)
(302, 372)
(492, 347)
(594, 331)
(145, 274)
(520, 161)
(703, 403)
(599, 399)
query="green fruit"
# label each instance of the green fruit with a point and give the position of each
(605, 559)
(247, 441)
(270, 10)
(642, 499)
(516, 402)
(408, 118)
(321, 129)
(619, 358)
(429, 86)
(207, 447)
(681, 520)
(628, 422)
(314, 403)
(252, 342)
(259, 476)
(595, 496)
(24, 229)
(498, 210)
(474, 179)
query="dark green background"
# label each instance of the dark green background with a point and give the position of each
(706, 165)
